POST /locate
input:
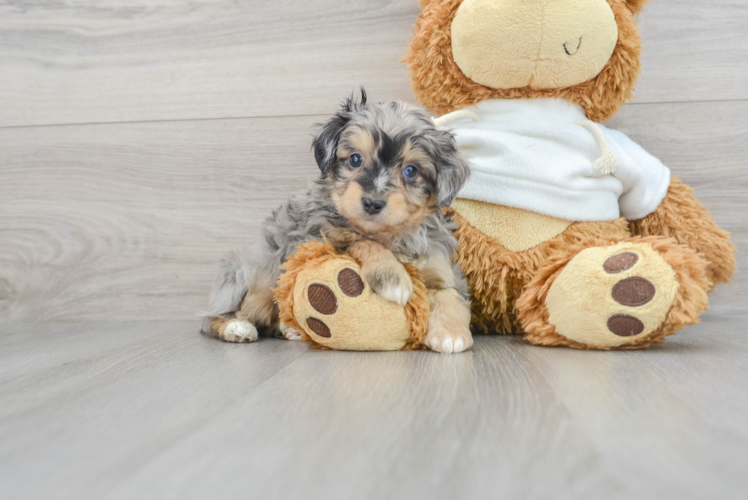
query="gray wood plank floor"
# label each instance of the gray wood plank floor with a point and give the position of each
(152, 410)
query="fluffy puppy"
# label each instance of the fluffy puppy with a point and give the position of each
(386, 174)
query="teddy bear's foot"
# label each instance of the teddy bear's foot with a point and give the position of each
(336, 308)
(625, 295)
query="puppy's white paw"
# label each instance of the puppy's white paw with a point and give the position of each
(444, 341)
(391, 283)
(290, 333)
(399, 294)
(240, 331)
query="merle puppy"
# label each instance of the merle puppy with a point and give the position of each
(386, 174)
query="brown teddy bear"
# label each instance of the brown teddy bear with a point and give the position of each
(570, 233)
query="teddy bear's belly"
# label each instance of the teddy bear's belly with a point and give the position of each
(517, 230)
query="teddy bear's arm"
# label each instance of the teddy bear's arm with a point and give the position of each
(683, 217)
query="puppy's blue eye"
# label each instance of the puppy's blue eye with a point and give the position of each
(410, 172)
(356, 160)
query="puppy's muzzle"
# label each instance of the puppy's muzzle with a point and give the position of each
(373, 207)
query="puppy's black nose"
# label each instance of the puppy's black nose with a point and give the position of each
(373, 207)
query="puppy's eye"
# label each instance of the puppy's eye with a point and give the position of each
(356, 160)
(410, 172)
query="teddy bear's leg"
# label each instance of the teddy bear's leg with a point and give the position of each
(628, 294)
(683, 217)
(336, 308)
(326, 298)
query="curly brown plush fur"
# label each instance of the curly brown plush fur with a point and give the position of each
(684, 218)
(440, 85)
(313, 254)
(635, 6)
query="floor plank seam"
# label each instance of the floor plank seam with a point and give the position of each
(633, 102)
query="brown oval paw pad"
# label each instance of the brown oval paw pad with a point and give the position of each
(620, 263)
(318, 327)
(633, 292)
(624, 325)
(350, 282)
(322, 299)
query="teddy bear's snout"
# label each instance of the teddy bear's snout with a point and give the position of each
(531, 41)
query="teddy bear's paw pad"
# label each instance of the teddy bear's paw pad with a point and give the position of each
(337, 309)
(608, 297)
(634, 291)
(240, 331)
(624, 325)
(620, 262)
(350, 282)
(322, 299)
(319, 327)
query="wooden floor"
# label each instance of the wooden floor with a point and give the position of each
(140, 141)
(150, 410)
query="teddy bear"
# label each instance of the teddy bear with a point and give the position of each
(570, 233)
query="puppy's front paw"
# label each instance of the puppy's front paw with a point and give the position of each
(391, 282)
(449, 324)
(440, 339)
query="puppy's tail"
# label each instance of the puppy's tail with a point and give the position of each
(228, 292)
(210, 327)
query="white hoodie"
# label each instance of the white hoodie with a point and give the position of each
(543, 155)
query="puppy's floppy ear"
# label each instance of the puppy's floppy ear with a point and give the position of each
(452, 171)
(325, 143)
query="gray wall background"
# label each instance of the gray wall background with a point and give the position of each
(139, 142)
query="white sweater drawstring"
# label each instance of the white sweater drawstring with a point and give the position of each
(607, 163)
(453, 116)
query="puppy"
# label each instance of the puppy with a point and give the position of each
(386, 174)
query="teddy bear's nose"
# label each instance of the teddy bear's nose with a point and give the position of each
(572, 48)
